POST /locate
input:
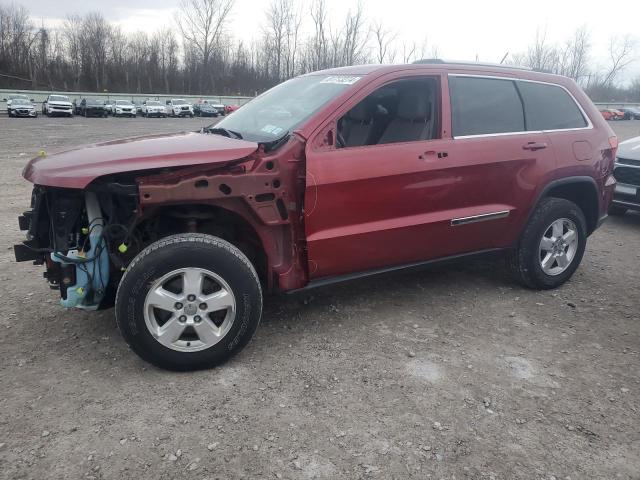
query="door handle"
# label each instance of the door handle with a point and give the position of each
(431, 154)
(533, 146)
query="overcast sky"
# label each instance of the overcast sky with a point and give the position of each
(461, 29)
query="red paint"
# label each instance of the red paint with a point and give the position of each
(78, 167)
(356, 209)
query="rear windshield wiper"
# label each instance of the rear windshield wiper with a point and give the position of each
(222, 131)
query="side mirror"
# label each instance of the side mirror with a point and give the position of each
(32, 100)
(4, 99)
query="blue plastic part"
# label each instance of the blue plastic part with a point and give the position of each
(95, 281)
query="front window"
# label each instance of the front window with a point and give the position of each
(153, 104)
(271, 115)
(406, 110)
(21, 101)
(94, 102)
(58, 98)
(123, 103)
(17, 97)
(179, 101)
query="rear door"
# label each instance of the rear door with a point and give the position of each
(501, 162)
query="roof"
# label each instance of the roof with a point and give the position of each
(422, 65)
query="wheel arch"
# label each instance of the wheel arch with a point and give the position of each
(225, 223)
(581, 190)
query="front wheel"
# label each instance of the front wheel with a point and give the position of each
(551, 246)
(189, 301)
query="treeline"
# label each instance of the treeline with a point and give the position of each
(574, 58)
(201, 55)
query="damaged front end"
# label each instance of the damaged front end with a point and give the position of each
(80, 242)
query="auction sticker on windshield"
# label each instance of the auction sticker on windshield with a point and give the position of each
(341, 79)
(272, 129)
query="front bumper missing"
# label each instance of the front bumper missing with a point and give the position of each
(81, 276)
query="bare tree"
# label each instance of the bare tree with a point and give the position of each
(201, 23)
(621, 55)
(355, 36)
(574, 57)
(384, 39)
(408, 52)
(541, 56)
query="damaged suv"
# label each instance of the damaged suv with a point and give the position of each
(327, 177)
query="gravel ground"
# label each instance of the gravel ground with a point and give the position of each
(449, 373)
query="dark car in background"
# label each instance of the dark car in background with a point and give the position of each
(22, 107)
(205, 110)
(627, 173)
(92, 107)
(630, 113)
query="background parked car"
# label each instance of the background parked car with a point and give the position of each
(15, 96)
(631, 113)
(57, 105)
(230, 108)
(124, 108)
(612, 114)
(153, 108)
(219, 107)
(627, 173)
(21, 107)
(138, 107)
(108, 106)
(92, 107)
(177, 107)
(204, 109)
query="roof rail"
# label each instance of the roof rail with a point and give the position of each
(426, 61)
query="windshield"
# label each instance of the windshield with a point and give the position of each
(154, 104)
(123, 102)
(16, 97)
(179, 101)
(283, 108)
(94, 101)
(58, 98)
(21, 101)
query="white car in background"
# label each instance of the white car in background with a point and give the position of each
(153, 108)
(15, 96)
(57, 105)
(177, 107)
(124, 108)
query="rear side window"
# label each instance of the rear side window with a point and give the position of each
(481, 106)
(549, 107)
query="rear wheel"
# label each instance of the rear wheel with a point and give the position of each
(551, 246)
(189, 301)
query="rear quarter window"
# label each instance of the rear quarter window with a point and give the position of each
(549, 107)
(481, 106)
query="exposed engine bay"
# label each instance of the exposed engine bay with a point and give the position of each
(85, 238)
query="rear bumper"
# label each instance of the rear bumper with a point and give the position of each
(626, 195)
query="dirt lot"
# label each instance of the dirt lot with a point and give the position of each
(450, 373)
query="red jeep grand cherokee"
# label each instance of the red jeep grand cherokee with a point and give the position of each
(326, 177)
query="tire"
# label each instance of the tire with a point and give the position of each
(617, 210)
(525, 261)
(197, 253)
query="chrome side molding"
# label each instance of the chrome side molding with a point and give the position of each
(483, 217)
